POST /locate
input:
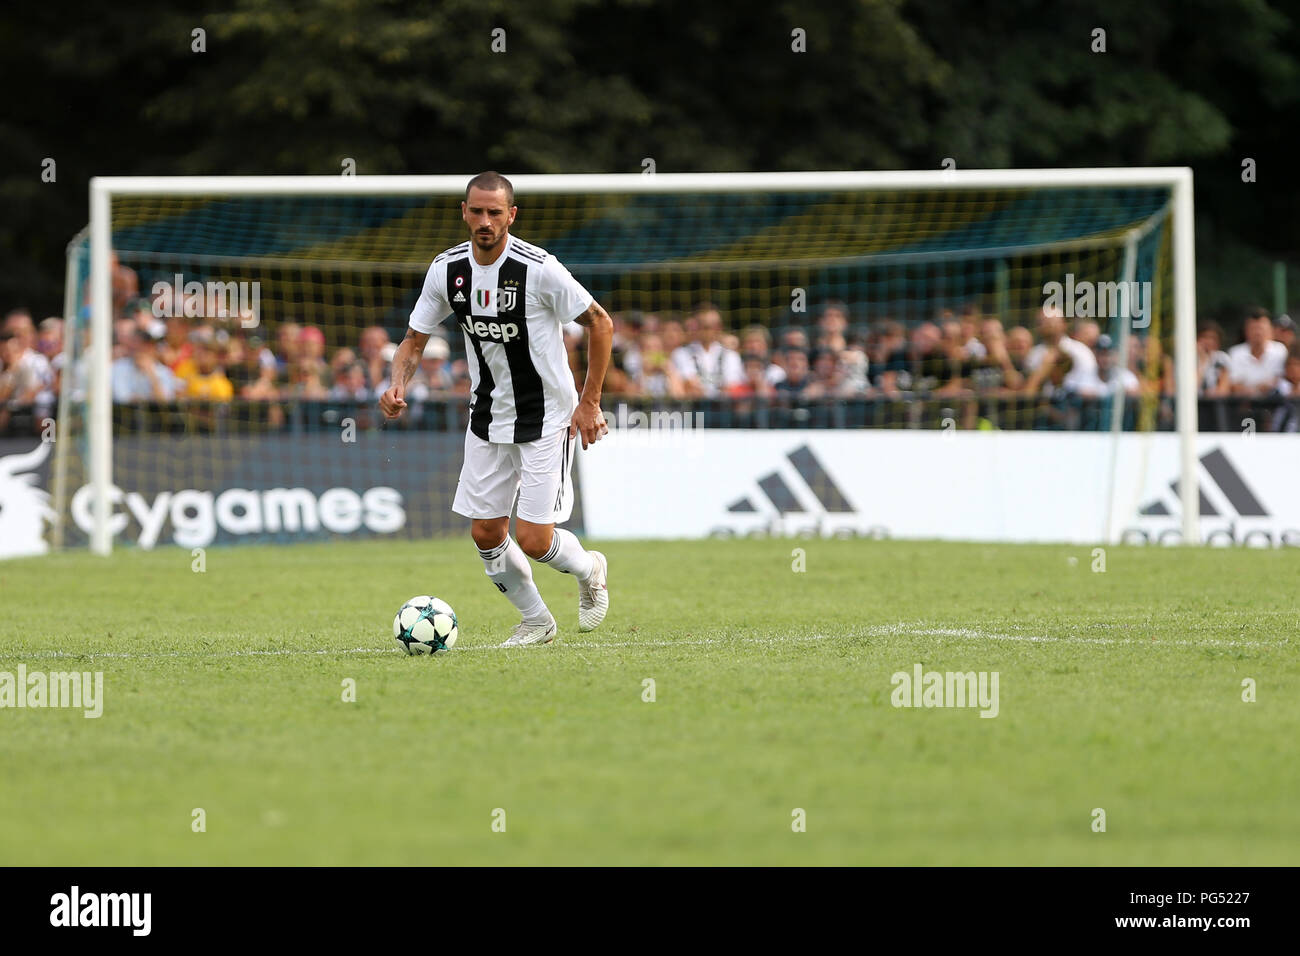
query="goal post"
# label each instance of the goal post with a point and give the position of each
(100, 397)
(1015, 238)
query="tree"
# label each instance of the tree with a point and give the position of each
(287, 86)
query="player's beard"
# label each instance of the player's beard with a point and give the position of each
(490, 240)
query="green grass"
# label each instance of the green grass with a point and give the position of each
(773, 692)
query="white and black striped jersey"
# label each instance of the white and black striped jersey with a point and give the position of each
(512, 314)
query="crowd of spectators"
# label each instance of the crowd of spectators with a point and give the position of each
(957, 355)
(31, 359)
(964, 355)
(180, 358)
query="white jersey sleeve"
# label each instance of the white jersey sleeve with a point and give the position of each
(432, 306)
(561, 293)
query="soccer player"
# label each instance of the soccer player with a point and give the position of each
(512, 301)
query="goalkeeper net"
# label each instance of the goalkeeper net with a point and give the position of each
(251, 330)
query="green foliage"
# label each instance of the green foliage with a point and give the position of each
(598, 85)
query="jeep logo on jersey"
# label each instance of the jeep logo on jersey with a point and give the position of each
(490, 331)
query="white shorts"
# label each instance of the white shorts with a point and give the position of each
(541, 472)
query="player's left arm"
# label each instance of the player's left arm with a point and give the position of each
(588, 419)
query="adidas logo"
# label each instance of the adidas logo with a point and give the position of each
(783, 499)
(1233, 500)
(779, 501)
(458, 297)
(1228, 480)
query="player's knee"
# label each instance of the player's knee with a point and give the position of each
(535, 542)
(486, 537)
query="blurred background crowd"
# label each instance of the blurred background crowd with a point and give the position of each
(1200, 86)
(959, 356)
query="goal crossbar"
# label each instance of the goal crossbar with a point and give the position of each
(650, 183)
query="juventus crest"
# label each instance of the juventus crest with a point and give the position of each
(505, 298)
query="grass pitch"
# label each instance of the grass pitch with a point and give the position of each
(223, 690)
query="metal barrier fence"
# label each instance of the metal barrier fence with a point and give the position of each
(911, 411)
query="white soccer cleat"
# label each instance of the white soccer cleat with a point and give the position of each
(593, 594)
(525, 633)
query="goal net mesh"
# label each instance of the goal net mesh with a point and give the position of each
(271, 320)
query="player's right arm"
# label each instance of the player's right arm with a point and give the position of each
(430, 309)
(405, 362)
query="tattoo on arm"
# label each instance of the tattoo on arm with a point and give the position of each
(594, 312)
(407, 359)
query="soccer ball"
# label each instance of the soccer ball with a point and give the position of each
(425, 625)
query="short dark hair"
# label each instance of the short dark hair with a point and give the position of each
(1253, 314)
(491, 181)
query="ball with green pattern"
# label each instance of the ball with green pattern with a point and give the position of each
(425, 625)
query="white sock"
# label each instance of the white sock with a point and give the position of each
(568, 555)
(508, 567)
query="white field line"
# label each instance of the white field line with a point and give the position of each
(884, 630)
